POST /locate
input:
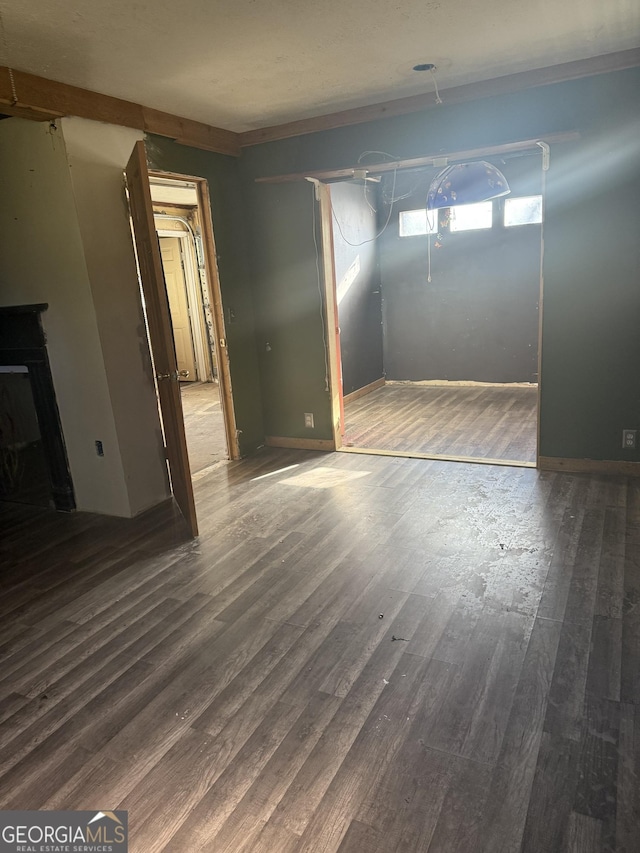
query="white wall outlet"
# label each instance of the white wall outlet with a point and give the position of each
(629, 439)
(308, 420)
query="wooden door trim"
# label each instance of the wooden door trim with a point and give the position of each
(322, 197)
(543, 224)
(215, 292)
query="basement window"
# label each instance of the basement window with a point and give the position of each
(526, 210)
(414, 223)
(471, 217)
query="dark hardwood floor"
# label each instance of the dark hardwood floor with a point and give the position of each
(359, 654)
(477, 422)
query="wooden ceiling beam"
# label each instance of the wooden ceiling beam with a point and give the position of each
(456, 95)
(40, 99)
(421, 162)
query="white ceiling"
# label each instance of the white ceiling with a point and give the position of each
(244, 64)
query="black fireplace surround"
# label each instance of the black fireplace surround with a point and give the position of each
(23, 343)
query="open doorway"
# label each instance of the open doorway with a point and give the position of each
(159, 325)
(178, 224)
(438, 315)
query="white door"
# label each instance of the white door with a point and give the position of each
(179, 306)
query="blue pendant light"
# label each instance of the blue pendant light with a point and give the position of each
(466, 183)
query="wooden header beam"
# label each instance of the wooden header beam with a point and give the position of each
(456, 95)
(40, 99)
(418, 162)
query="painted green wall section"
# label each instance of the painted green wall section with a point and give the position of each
(477, 319)
(591, 342)
(229, 227)
(289, 306)
(358, 285)
(591, 337)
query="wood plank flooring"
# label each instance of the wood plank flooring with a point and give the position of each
(204, 425)
(481, 422)
(359, 654)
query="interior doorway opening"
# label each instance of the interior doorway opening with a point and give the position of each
(178, 222)
(155, 304)
(438, 317)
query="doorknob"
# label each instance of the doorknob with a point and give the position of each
(184, 373)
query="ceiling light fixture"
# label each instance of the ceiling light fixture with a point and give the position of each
(466, 183)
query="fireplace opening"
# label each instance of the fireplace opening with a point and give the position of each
(34, 468)
(24, 475)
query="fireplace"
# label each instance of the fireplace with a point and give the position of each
(34, 468)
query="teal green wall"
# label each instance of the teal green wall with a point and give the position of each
(591, 340)
(591, 326)
(289, 305)
(591, 346)
(229, 227)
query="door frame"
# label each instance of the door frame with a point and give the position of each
(323, 199)
(215, 294)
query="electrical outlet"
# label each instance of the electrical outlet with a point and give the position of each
(308, 420)
(629, 439)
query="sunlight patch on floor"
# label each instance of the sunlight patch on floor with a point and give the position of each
(273, 473)
(323, 478)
